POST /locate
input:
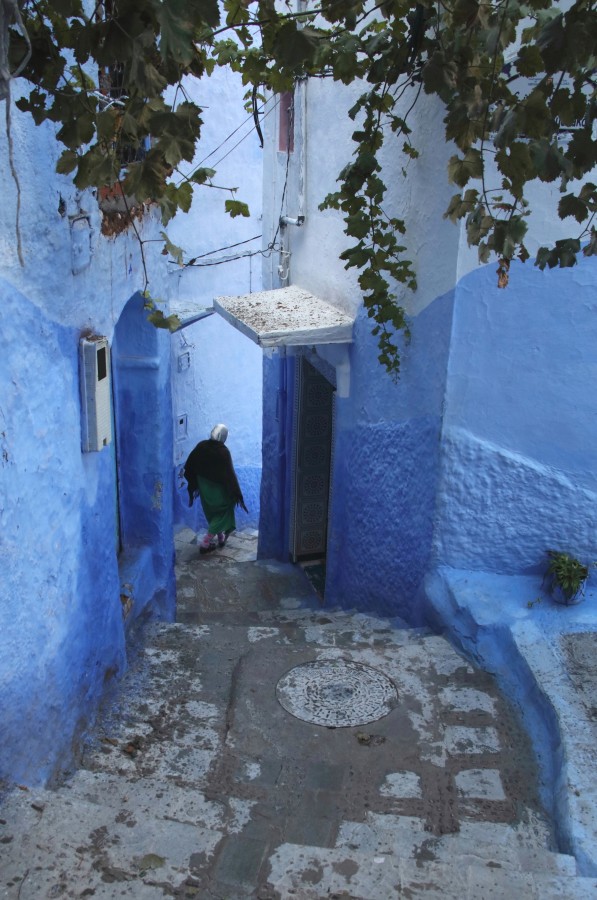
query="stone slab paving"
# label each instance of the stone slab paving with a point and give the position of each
(197, 783)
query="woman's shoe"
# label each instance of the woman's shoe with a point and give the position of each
(222, 538)
(207, 544)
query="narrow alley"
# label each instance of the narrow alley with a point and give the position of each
(263, 746)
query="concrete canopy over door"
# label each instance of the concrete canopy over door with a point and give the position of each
(285, 317)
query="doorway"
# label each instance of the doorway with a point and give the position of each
(311, 470)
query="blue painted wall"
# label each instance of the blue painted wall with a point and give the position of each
(61, 625)
(386, 469)
(481, 457)
(62, 633)
(278, 397)
(519, 446)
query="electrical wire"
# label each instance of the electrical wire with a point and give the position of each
(193, 261)
(229, 247)
(231, 135)
(226, 259)
(248, 134)
(272, 245)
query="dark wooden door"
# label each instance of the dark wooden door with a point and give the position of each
(312, 452)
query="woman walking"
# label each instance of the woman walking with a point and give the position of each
(210, 475)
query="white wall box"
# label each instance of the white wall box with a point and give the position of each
(96, 413)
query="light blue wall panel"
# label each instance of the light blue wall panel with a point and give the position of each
(519, 449)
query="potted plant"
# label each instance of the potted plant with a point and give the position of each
(567, 577)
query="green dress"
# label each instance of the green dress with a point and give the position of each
(217, 504)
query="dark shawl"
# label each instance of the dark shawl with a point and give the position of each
(211, 459)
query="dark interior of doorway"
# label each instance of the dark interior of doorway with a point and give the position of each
(314, 569)
(312, 463)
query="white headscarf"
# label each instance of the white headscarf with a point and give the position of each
(219, 433)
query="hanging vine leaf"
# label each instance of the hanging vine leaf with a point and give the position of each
(236, 208)
(517, 82)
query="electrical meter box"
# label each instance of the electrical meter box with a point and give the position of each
(96, 393)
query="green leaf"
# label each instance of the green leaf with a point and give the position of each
(439, 75)
(67, 162)
(77, 131)
(157, 318)
(174, 251)
(571, 205)
(177, 20)
(144, 78)
(529, 60)
(563, 254)
(294, 46)
(172, 198)
(200, 176)
(591, 247)
(236, 208)
(107, 124)
(146, 180)
(549, 161)
(175, 32)
(515, 162)
(67, 7)
(462, 169)
(178, 132)
(96, 168)
(208, 10)
(582, 151)
(461, 206)
(465, 11)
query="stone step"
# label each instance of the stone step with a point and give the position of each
(314, 872)
(341, 618)
(100, 831)
(130, 800)
(64, 846)
(519, 847)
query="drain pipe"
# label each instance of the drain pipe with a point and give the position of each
(287, 220)
(301, 95)
(302, 173)
(301, 144)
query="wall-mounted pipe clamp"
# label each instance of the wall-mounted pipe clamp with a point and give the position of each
(287, 220)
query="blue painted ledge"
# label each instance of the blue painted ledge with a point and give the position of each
(488, 617)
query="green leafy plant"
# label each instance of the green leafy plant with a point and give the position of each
(516, 79)
(567, 574)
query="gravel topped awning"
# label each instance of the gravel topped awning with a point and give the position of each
(286, 316)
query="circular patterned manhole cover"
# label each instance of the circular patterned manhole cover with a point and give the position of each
(336, 693)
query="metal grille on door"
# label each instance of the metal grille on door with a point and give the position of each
(312, 453)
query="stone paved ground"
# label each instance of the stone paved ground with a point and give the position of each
(199, 784)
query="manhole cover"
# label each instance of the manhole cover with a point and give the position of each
(336, 693)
